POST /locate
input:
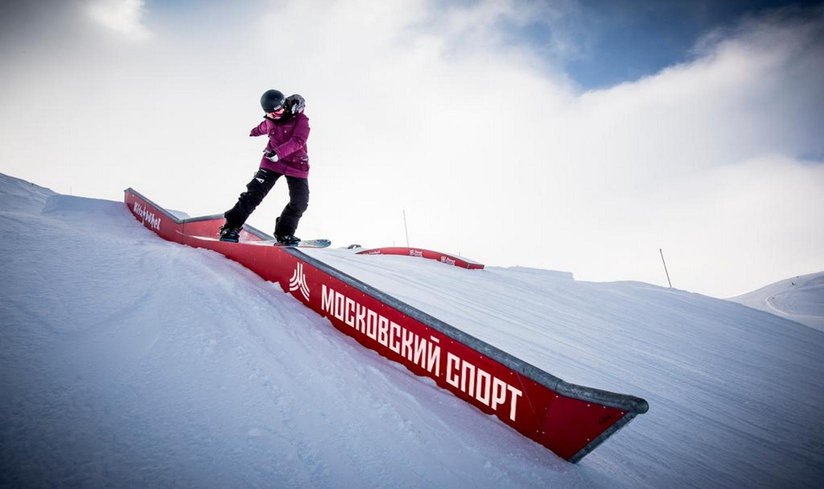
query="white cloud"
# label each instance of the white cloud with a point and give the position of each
(434, 112)
(122, 16)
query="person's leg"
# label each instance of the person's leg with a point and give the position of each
(287, 223)
(248, 201)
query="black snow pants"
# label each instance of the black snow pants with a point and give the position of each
(257, 189)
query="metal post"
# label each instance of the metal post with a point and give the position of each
(665, 267)
(405, 228)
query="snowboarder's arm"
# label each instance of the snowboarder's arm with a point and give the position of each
(298, 139)
(260, 129)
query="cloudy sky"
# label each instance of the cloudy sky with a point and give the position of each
(581, 136)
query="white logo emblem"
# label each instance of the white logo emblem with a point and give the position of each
(447, 260)
(298, 281)
(148, 216)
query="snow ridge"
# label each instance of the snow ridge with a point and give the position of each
(799, 299)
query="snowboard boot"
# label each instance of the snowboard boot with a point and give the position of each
(287, 240)
(232, 235)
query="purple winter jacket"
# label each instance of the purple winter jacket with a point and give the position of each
(288, 140)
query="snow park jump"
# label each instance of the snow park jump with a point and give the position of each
(571, 420)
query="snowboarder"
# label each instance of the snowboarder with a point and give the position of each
(286, 155)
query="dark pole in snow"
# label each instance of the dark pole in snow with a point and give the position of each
(405, 228)
(665, 267)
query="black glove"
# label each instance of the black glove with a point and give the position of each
(295, 104)
(270, 155)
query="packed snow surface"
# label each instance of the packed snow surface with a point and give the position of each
(129, 361)
(800, 299)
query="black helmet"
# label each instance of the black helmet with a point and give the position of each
(272, 100)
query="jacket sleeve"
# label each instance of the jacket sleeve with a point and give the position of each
(260, 129)
(298, 139)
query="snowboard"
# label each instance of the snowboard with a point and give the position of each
(305, 243)
(308, 243)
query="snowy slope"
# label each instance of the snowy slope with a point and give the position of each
(799, 299)
(129, 361)
(718, 376)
